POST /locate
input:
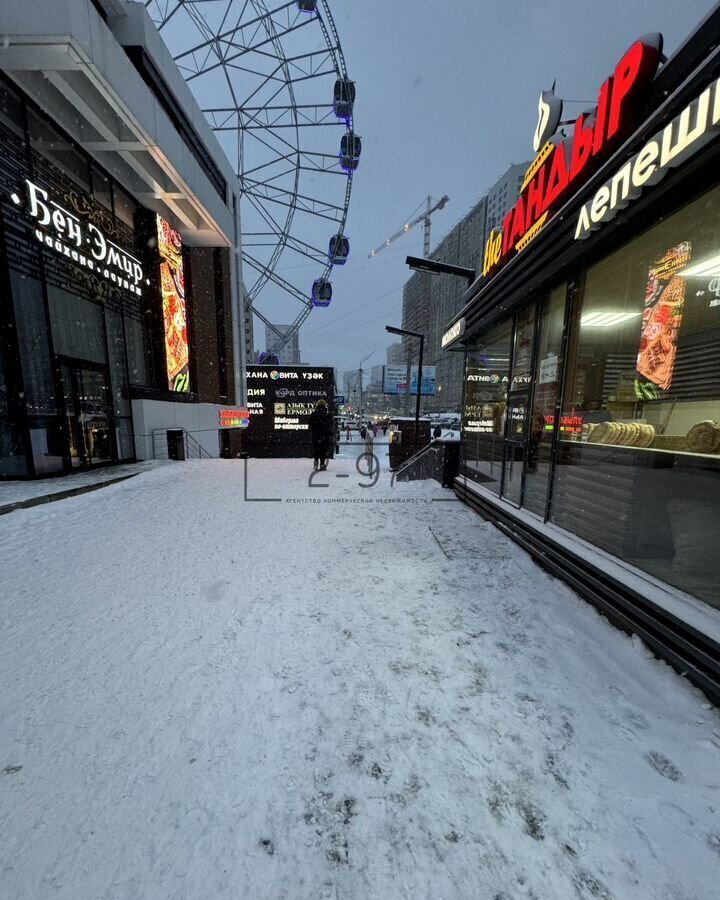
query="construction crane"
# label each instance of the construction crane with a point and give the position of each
(424, 218)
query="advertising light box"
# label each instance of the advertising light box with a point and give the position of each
(395, 378)
(280, 402)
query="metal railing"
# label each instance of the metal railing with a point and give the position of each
(192, 447)
(438, 460)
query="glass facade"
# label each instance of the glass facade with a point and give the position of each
(600, 411)
(485, 408)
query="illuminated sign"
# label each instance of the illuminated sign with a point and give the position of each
(234, 418)
(662, 316)
(453, 333)
(281, 400)
(680, 139)
(172, 283)
(562, 166)
(81, 242)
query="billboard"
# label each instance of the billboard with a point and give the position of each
(280, 401)
(395, 378)
(172, 283)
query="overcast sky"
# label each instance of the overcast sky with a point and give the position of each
(447, 99)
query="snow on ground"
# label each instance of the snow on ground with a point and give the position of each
(20, 491)
(205, 697)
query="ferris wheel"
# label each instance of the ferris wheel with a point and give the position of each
(273, 85)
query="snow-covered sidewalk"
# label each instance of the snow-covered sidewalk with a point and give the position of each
(346, 692)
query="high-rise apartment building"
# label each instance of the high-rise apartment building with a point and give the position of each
(289, 355)
(430, 301)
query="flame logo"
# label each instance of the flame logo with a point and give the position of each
(549, 114)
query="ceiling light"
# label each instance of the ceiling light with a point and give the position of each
(710, 266)
(606, 319)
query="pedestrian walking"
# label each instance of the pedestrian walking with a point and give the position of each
(437, 432)
(375, 429)
(384, 430)
(321, 429)
(347, 433)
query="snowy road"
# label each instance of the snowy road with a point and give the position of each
(206, 698)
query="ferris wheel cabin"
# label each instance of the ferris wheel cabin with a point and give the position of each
(350, 150)
(343, 98)
(321, 292)
(339, 250)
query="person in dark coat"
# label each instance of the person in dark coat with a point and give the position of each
(437, 432)
(321, 429)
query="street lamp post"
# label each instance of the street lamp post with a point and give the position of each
(360, 374)
(401, 331)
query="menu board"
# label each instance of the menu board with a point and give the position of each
(280, 402)
(662, 316)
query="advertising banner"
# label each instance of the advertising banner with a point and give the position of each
(172, 282)
(662, 317)
(280, 402)
(395, 380)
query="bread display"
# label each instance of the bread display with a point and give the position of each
(704, 437)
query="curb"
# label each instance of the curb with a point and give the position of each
(62, 495)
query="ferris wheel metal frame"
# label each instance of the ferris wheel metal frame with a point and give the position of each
(243, 44)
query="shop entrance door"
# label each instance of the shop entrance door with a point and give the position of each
(515, 446)
(89, 415)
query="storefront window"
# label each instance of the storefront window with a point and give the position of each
(135, 343)
(116, 354)
(639, 464)
(32, 334)
(486, 381)
(77, 324)
(545, 395)
(12, 452)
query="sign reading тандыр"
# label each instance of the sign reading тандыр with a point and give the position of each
(562, 167)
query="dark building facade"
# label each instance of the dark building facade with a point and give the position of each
(120, 337)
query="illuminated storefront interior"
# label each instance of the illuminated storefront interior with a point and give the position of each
(591, 420)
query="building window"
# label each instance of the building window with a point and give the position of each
(486, 381)
(32, 332)
(639, 464)
(125, 206)
(544, 400)
(58, 149)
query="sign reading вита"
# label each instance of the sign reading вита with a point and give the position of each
(81, 242)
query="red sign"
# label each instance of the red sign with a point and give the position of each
(234, 418)
(561, 167)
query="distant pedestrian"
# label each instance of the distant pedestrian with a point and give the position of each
(384, 430)
(374, 429)
(363, 432)
(437, 432)
(321, 429)
(347, 433)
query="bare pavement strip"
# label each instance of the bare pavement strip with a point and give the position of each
(349, 692)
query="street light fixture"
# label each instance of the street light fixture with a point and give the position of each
(420, 264)
(416, 334)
